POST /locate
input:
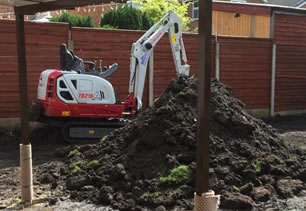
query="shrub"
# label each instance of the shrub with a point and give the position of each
(156, 9)
(74, 20)
(126, 18)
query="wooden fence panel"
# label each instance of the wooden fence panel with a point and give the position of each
(245, 65)
(289, 29)
(42, 51)
(290, 80)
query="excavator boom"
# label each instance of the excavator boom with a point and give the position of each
(142, 48)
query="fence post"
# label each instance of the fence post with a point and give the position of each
(151, 78)
(217, 59)
(272, 104)
(252, 26)
(70, 40)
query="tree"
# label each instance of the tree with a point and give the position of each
(156, 9)
(74, 19)
(126, 18)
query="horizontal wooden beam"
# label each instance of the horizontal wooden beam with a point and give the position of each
(59, 4)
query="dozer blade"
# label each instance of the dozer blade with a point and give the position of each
(88, 131)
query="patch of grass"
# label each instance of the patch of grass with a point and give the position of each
(75, 169)
(303, 148)
(74, 153)
(79, 163)
(235, 188)
(93, 164)
(103, 139)
(16, 201)
(180, 94)
(220, 99)
(258, 166)
(155, 100)
(63, 150)
(256, 132)
(150, 195)
(178, 174)
(74, 163)
(286, 144)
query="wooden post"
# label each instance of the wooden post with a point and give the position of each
(272, 103)
(204, 75)
(204, 199)
(25, 146)
(70, 40)
(217, 59)
(252, 26)
(151, 79)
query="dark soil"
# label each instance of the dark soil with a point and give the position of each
(293, 123)
(250, 164)
(292, 128)
(48, 166)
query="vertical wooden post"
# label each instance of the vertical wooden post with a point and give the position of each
(25, 146)
(272, 103)
(204, 76)
(151, 78)
(22, 70)
(272, 20)
(252, 26)
(217, 59)
(70, 40)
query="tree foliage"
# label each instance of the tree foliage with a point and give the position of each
(126, 18)
(156, 9)
(74, 19)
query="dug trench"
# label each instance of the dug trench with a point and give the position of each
(150, 163)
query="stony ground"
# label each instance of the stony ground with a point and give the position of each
(151, 162)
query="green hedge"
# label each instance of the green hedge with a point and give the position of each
(126, 18)
(74, 20)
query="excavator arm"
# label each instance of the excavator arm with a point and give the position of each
(142, 48)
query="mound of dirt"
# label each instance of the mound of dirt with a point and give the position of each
(150, 163)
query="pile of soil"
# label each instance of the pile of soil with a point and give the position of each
(150, 163)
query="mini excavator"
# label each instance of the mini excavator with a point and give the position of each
(83, 103)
